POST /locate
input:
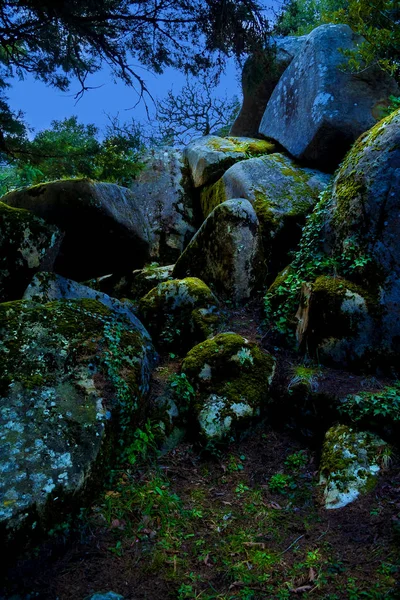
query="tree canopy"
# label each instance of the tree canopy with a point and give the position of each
(59, 42)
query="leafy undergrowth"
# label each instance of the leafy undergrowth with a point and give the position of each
(246, 525)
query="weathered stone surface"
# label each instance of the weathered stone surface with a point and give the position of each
(350, 463)
(318, 110)
(46, 287)
(261, 72)
(281, 193)
(74, 373)
(360, 238)
(162, 194)
(334, 321)
(210, 156)
(180, 313)
(226, 253)
(27, 245)
(231, 378)
(103, 224)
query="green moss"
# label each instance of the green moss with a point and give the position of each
(349, 459)
(240, 370)
(179, 312)
(253, 147)
(211, 196)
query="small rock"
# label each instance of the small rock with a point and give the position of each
(350, 464)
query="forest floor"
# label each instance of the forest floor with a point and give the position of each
(247, 524)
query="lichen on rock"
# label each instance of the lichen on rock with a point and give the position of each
(350, 464)
(27, 245)
(231, 378)
(179, 313)
(74, 374)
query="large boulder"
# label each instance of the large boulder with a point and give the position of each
(226, 253)
(103, 224)
(319, 108)
(46, 287)
(27, 245)
(162, 194)
(360, 237)
(74, 377)
(180, 313)
(210, 156)
(350, 463)
(281, 193)
(335, 321)
(260, 75)
(231, 378)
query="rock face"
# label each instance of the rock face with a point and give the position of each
(74, 373)
(180, 313)
(226, 253)
(162, 194)
(210, 156)
(318, 110)
(335, 321)
(231, 379)
(359, 236)
(350, 463)
(281, 193)
(260, 75)
(27, 245)
(104, 227)
(46, 287)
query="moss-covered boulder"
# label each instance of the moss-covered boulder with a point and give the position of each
(231, 378)
(73, 382)
(46, 287)
(162, 192)
(105, 230)
(180, 313)
(210, 156)
(27, 245)
(282, 194)
(318, 109)
(226, 252)
(335, 321)
(350, 463)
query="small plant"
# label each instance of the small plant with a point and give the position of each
(296, 460)
(241, 489)
(145, 442)
(280, 483)
(371, 405)
(394, 105)
(183, 389)
(306, 376)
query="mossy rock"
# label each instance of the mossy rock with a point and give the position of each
(210, 156)
(27, 245)
(74, 376)
(105, 229)
(46, 287)
(350, 463)
(180, 313)
(336, 321)
(282, 194)
(226, 253)
(231, 378)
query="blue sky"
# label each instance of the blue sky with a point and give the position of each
(42, 104)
